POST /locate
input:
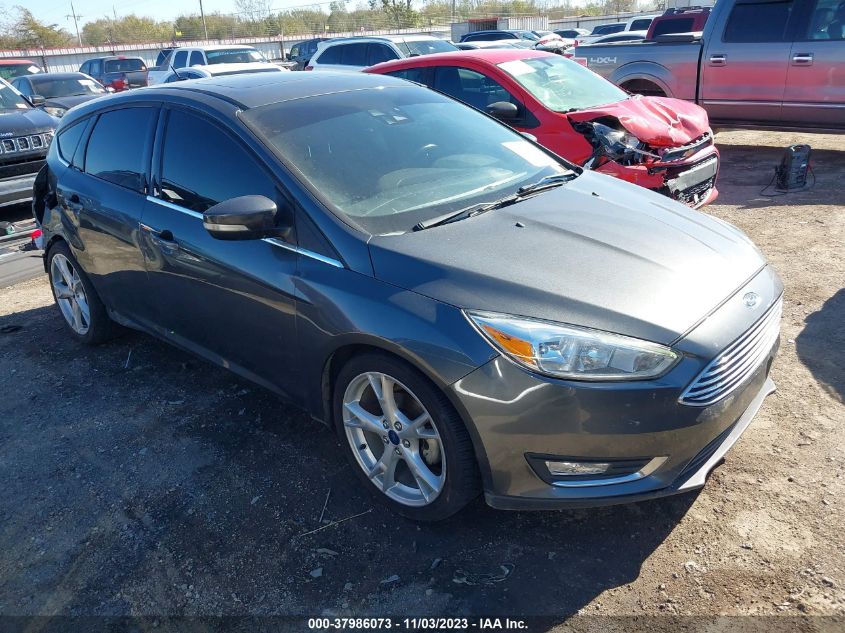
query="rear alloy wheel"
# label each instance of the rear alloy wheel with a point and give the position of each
(405, 440)
(83, 312)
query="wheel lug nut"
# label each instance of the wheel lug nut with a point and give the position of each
(406, 444)
(397, 451)
(385, 424)
(397, 426)
(385, 439)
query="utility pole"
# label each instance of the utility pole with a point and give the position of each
(204, 26)
(75, 23)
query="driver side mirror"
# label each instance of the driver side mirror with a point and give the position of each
(36, 100)
(503, 110)
(244, 218)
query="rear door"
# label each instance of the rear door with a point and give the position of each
(744, 65)
(231, 301)
(103, 195)
(815, 83)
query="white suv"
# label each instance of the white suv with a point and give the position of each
(188, 56)
(356, 53)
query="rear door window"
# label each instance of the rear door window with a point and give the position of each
(180, 60)
(758, 22)
(118, 148)
(827, 21)
(196, 59)
(417, 75)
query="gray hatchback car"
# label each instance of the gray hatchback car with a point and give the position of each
(468, 311)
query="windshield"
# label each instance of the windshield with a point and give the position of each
(10, 99)
(390, 158)
(426, 47)
(10, 71)
(66, 87)
(125, 65)
(234, 56)
(562, 85)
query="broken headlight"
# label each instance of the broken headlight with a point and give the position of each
(618, 145)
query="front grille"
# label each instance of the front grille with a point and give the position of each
(685, 151)
(736, 363)
(32, 142)
(696, 193)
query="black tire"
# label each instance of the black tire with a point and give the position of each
(100, 326)
(462, 481)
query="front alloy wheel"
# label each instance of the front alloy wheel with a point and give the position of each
(394, 439)
(406, 442)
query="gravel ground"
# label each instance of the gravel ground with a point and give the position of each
(137, 480)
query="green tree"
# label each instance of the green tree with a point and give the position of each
(25, 31)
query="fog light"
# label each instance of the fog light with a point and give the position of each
(560, 469)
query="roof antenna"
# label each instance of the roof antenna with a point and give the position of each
(178, 76)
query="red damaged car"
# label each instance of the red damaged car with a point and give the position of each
(658, 143)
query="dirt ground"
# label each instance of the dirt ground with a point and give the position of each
(136, 480)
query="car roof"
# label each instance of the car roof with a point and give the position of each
(111, 57)
(490, 56)
(249, 90)
(381, 38)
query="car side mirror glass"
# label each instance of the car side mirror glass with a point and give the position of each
(503, 110)
(36, 100)
(244, 218)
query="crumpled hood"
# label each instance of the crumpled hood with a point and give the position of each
(627, 260)
(30, 121)
(658, 121)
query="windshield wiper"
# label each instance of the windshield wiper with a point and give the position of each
(544, 184)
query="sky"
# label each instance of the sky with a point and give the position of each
(55, 11)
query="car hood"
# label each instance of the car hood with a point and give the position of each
(69, 102)
(17, 122)
(658, 121)
(596, 252)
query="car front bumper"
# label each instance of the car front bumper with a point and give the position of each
(519, 420)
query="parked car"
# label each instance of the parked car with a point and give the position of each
(303, 52)
(500, 34)
(548, 41)
(221, 70)
(117, 72)
(59, 91)
(661, 144)
(680, 20)
(471, 46)
(598, 31)
(11, 68)
(640, 22)
(757, 64)
(572, 34)
(187, 56)
(356, 53)
(376, 294)
(25, 135)
(622, 36)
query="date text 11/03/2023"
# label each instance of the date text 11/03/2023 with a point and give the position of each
(417, 624)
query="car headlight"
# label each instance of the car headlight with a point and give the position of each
(56, 112)
(615, 142)
(568, 351)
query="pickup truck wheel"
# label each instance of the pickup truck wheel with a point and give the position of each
(643, 87)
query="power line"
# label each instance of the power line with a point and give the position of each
(75, 17)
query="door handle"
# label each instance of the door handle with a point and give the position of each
(163, 239)
(718, 59)
(74, 203)
(802, 59)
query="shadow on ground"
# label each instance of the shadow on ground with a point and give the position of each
(138, 480)
(818, 342)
